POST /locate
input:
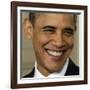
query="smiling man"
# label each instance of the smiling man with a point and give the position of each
(52, 36)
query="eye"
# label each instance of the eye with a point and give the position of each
(48, 29)
(68, 32)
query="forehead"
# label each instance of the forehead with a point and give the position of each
(66, 15)
(55, 18)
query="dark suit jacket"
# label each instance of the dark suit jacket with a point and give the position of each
(72, 69)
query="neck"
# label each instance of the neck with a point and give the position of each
(43, 71)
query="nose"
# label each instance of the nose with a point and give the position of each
(58, 40)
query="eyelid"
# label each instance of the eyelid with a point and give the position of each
(49, 30)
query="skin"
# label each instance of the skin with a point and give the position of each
(53, 40)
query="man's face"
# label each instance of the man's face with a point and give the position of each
(53, 38)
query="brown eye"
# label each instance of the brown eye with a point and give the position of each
(68, 32)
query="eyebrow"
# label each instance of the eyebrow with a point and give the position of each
(48, 26)
(68, 28)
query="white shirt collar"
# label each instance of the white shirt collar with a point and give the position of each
(56, 74)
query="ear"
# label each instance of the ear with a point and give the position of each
(27, 28)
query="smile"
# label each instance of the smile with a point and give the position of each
(54, 53)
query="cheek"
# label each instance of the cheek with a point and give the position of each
(39, 41)
(70, 41)
(42, 40)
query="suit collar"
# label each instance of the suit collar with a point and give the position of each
(72, 69)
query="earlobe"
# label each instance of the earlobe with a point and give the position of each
(27, 28)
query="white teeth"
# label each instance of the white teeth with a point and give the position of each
(54, 53)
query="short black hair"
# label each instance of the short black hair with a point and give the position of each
(32, 17)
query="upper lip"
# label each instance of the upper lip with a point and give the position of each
(56, 50)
